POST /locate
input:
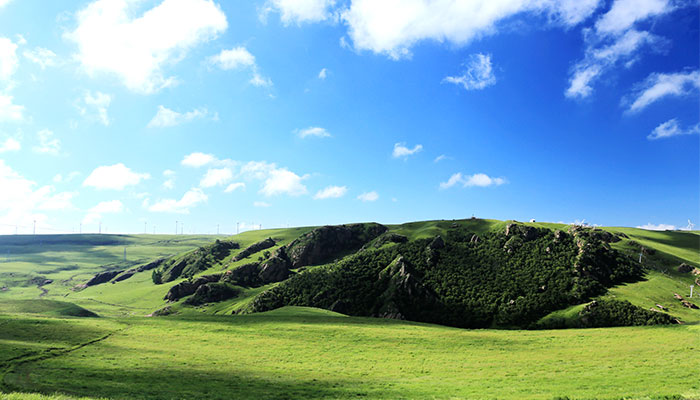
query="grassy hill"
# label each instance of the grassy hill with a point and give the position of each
(49, 351)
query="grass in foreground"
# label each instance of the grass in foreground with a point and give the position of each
(308, 353)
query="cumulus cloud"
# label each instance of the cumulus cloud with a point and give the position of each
(368, 196)
(10, 144)
(481, 180)
(10, 112)
(42, 57)
(112, 39)
(624, 13)
(216, 177)
(114, 177)
(234, 186)
(23, 202)
(48, 144)
(240, 58)
(658, 86)
(313, 131)
(166, 117)
(400, 150)
(283, 181)
(189, 200)
(393, 27)
(323, 74)
(197, 160)
(671, 128)
(477, 75)
(657, 227)
(105, 207)
(331, 192)
(299, 11)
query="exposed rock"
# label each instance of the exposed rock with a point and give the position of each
(604, 236)
(245, 275)
(559, 235)
(437, 243)
(212, 292)
(475, 239)
(151, 265)
(324, 243)
(661, 307)
(678, 296)
(622, 235)
(404, 290)
(254, 248)
(187, 288)
(385, 238)
(167, 310)
(125, 275)
(685, 268)
(103, 277)
(688, 304)
(525, 232)
(275, 269)
(196, 261)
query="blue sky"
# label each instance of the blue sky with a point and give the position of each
(130, 115)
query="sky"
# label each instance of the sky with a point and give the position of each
(132, 116)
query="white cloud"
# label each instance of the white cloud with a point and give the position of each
(197, 160)
(671, 128)
(477, 75)
(481, 180)
(216, 177)
(261, 204)
(3, 3)
(99, 102)
(441, 157)
(237, 57)
(167, 118)
(259, 80)
(169, 184)
(10, 144)
(658, 86)
(240, 57)
(599, 60)
(47, 143)
(111, 39)
(299, 11)
(624, 13)
(323, 74)
(190, 199)
(657, 227)
(368, 196)
(10, 112)
(22, 202)
(58, 178)
(8, 59)
(105, 207)
(114, 177)
(313, 131)
(393, 27)
(400, 150)
(283, 181)
(331, 192)
(43, 57)
(234, 186)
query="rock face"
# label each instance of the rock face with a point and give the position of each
(187, 288)
(212, 292)
(254, 248)
(404, 290)
(196, 261)
(274, 269)
(324, 243)
(103, 277)
(525, 232)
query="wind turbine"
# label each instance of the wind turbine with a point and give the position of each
(690, 226)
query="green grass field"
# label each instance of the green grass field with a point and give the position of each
(47, 351)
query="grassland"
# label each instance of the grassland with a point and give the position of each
(46, 352)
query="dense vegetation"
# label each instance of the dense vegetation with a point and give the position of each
(494, 279)
(193, 262)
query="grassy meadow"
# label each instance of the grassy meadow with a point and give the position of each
(53, 347)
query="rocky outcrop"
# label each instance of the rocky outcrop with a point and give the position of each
(187, 288)
(328, 242)
(102, 277)
(254, 248)
(385, 238)
(525, 232)
(274, 269)
(685, 268)
(196, 261)
(151, 265)
(212, 293)
(404, 290)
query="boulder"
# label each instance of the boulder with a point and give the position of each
(685, 268)
(525, 232)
